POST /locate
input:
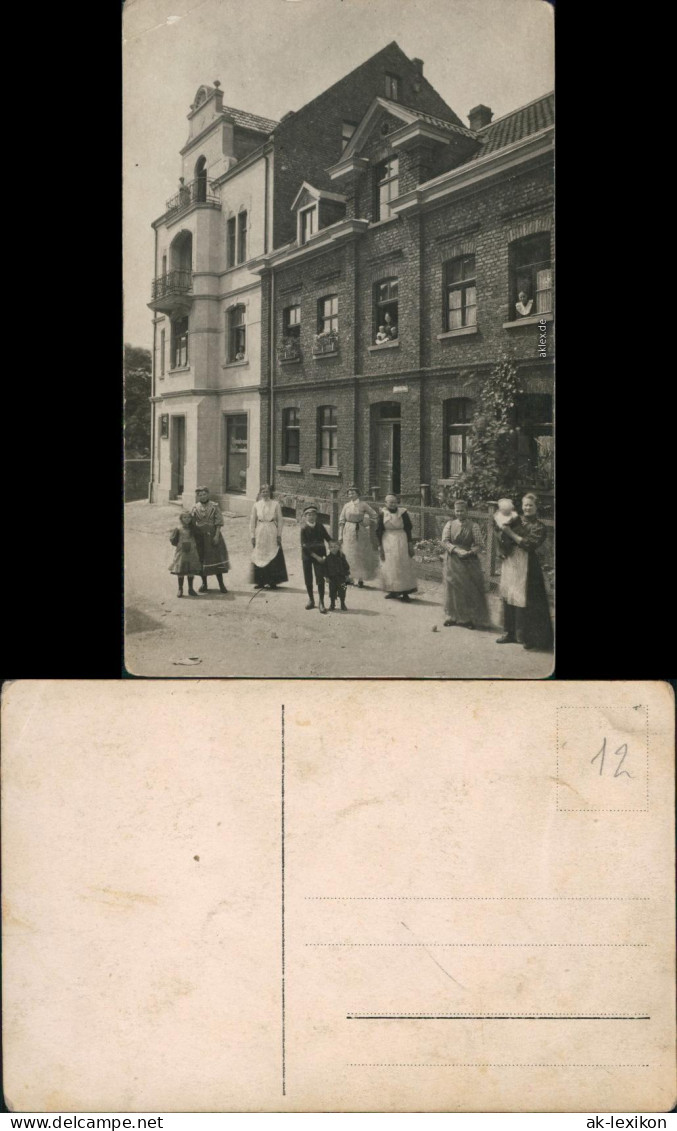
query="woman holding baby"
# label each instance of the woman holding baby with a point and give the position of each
(526, 613)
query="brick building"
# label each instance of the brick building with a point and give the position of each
(394, 255)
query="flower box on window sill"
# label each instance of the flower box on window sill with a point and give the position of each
(289, 353)
(384, 346)
(331, 471)
(458, 332)
(233, 364)
(325, 345)
(529, 320)
(290, 468)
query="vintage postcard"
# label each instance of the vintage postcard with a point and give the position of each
(339, 327)
(392, 897)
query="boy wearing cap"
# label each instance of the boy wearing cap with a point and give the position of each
(313, 552)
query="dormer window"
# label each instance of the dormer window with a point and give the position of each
(347, 131)
(393, 87)
(308, 223)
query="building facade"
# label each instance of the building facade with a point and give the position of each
(394, 256)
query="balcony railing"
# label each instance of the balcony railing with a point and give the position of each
(173, 283)
(325, 343)
(196, 192)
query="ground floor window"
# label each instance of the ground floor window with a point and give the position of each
(457, 417)
(291, 436)
(236, 436)
(535, 440)
(327, 436)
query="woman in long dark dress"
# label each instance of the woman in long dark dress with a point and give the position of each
(465, 603)
(207, 526)
(526, 612)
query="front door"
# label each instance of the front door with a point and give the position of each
(236, 454)
(178, 455)
(388, 456)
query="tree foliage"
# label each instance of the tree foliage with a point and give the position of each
(494, 467)
(137, 401)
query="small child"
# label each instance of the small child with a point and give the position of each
(381, 336)
(506, 513)
(337, 572)
(186, 561)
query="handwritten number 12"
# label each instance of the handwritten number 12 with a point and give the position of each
(620, 753)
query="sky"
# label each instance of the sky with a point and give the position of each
(275, 55)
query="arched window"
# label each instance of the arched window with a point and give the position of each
(457, 417)
(327, 436)
(201, 180)
(237, 333)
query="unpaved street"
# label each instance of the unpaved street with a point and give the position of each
(262, 633)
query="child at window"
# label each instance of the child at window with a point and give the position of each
(337, 572)
(391, 328)
(382, 336)
(186, 562)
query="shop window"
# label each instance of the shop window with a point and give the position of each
(385, 311)
(530, 276)
(327, 436)
(237, 334)
(387, 179)
(457, 417)
(291, 436)
(461, 292)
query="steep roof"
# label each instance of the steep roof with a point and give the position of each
(249, 121)
(518, 124)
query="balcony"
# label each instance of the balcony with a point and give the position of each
(326, 345)
(200, 191)
(172, 291)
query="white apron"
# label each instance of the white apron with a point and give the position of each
(264, 528)
(397, 571)
(513, 587)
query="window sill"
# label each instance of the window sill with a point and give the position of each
(288, 360)
(529, 320)
(384, 346)
(459, 332)
(290, 468)
(327, 353)
(380, 223)
(330, 471)
(235, 364)
(179, 369)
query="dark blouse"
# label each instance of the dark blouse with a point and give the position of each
(532, 532)
(380, 526)
(313, 539)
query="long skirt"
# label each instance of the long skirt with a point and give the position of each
(464, 599)
(360, 552)
(273, 573)
(398, 574)
(531, 625)
(213, 559)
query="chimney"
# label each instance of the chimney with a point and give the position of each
(479, 116)
(418, 63)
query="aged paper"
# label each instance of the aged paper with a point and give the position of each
(338, 897)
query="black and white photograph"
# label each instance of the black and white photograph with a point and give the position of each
(339, 338)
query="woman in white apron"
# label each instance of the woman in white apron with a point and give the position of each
(265, 527)
(396, 549)
(356, 522)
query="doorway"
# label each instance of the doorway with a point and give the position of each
(177, 443)
(236, 454)
(387, 447)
